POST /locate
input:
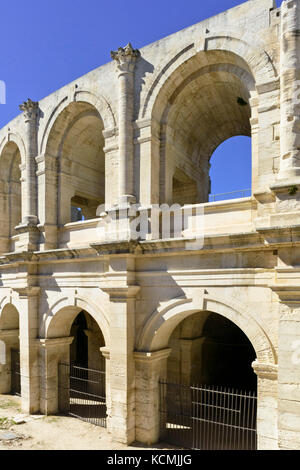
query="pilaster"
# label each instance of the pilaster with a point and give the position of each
(29, 308)
(121, 409)
(54, 377)
(290, 87)
(267, 405)
(150, 367)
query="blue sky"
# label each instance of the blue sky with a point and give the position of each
(46, 44)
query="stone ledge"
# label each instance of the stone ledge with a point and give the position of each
(150, 356)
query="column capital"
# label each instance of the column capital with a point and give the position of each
(105, 352)
(266, 371)
(125, 58)
(30, 109)
(151, 356)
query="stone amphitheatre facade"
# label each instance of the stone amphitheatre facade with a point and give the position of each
(142, 128)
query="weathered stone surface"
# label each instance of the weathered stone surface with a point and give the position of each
(142, 128)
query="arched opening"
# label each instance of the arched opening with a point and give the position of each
(80, 383)
(10, 376)
(233, 158)
(207, 348)
(76, 139)
(10, 195)
(208, 399)
(208, 105)
(88, 339)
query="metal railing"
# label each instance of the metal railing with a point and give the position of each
(208, 418)
(232, 195)
(85, 392)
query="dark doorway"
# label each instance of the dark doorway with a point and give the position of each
(79, 347)
(208, 400)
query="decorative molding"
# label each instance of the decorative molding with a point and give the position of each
(287, 294)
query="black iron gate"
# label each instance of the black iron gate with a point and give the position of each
(15, 372)
(208, 418)
(82, 391)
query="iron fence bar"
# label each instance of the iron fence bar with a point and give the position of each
(84, 380)
(222, 408)
(223, 393)
(208, 417)
(84, 403)
(86, 393)
(87, 369)
(240, 191)
(227, 425)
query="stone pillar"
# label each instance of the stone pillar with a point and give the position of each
(125, 60)
(147, 162)
(290, 90)
(289, 370)
(150, 367)
(30, 109)
(29, 308)
(121, 421)
(10, 340)
(54, 377)
(47, 183)
(267, 400)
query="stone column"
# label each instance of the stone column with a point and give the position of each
(10, 340)
(267, 405)
(150, 367)
(125, 59)
(29, 308)
(54, 395)
(121, 421)
(290, 90)
(30, 109)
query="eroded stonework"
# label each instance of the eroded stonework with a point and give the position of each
(141, 129)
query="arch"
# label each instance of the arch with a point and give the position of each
(97, 101)
(10, 188)
(206, 99)
(75, 145)
(257, 59)
(9, 315)
(58, 320)
(156, 332)
(17, 140)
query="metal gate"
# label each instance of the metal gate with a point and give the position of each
(15, 372)
(83, 392)
(208, 418)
